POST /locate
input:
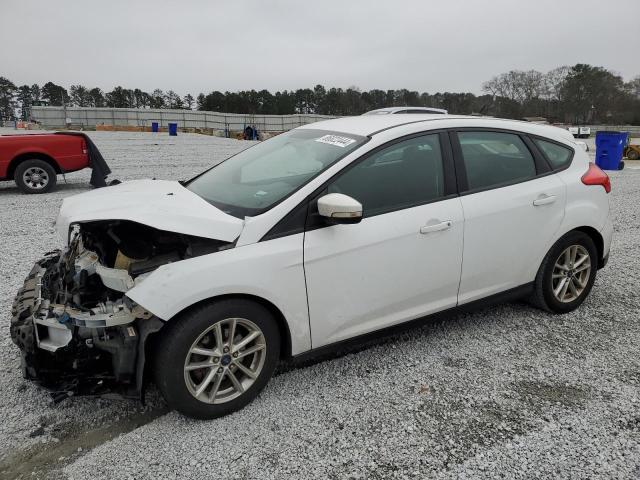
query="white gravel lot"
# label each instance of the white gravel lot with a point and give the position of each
(506, 392)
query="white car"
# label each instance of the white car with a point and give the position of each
(313, 238)
(412, 110)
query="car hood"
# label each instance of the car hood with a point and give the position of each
(161, 204)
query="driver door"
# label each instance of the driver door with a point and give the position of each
(403, 260)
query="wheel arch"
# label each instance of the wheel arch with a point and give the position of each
(597, 238)
(18, 159)
(283, 326)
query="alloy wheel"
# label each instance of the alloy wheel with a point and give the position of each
(571, 273)
(225, 360)
(35, 178)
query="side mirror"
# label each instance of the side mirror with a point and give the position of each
(337, 208)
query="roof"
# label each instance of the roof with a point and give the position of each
(368, 125)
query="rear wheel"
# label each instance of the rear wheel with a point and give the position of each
(216, 358)
(633, 155)
(35, 176)
(567, 274)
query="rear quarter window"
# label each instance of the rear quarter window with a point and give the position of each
(557, 155)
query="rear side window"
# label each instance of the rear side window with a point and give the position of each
(557, 155)
(495, 158)
(403, 175)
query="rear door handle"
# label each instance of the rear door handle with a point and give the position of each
(436, 227)
(544, 200)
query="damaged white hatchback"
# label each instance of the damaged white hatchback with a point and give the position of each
(321, 235)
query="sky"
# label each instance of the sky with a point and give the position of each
(193, 46)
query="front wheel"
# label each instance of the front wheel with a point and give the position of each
(217, 357)
(567, 274)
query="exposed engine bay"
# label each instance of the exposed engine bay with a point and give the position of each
(78, 331)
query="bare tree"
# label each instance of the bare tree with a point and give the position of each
(554, 82)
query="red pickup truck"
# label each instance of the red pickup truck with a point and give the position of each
(34, 161)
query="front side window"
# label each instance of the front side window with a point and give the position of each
(257, 178)
(557, 155)
(403, 175)
(495, 158)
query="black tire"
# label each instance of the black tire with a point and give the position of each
(38, 166)
(178, 337)
(621, 165)
(543, 296)
(633, 155)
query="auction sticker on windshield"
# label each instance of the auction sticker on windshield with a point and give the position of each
(336, 140)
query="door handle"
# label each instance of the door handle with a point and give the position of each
(544, 200)
(435, 227)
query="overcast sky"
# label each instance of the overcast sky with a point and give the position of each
(194, 46)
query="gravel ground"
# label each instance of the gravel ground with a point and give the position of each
(508, 391)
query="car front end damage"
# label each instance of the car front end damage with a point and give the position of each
(78, 332)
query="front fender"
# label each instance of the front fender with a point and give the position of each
(272, 270)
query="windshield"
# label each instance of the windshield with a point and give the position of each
(259, 177)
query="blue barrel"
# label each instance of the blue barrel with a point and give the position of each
(173, 129)
(609, 149)
(154, 127)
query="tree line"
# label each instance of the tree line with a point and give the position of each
(579, 94)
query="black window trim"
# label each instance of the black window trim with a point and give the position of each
(313, 223)
(541, 164)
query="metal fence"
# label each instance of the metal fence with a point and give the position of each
(634, 130)
(55, 117)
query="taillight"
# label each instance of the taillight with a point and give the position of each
(595, 176)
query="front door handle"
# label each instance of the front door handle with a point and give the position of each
(544, 200)
(435, 227)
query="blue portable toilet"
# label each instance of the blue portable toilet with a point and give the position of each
(154, 127)
(173, 129)
(609, 149)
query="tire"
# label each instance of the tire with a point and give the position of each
(35, 176)
(633, 155)
(544, 296)
(181, 375)
(621, 165)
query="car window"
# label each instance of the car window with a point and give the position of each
(405, 174)
(493, 158)
(557, 155)
(254, 180)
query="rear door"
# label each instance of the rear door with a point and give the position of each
(512, 205)
(403, 259)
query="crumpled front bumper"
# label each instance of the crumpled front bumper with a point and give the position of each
(73, 352)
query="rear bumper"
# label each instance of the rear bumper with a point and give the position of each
(607, 236)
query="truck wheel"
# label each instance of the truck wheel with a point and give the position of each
(35, 176)
(216, 358)
(633, 155)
